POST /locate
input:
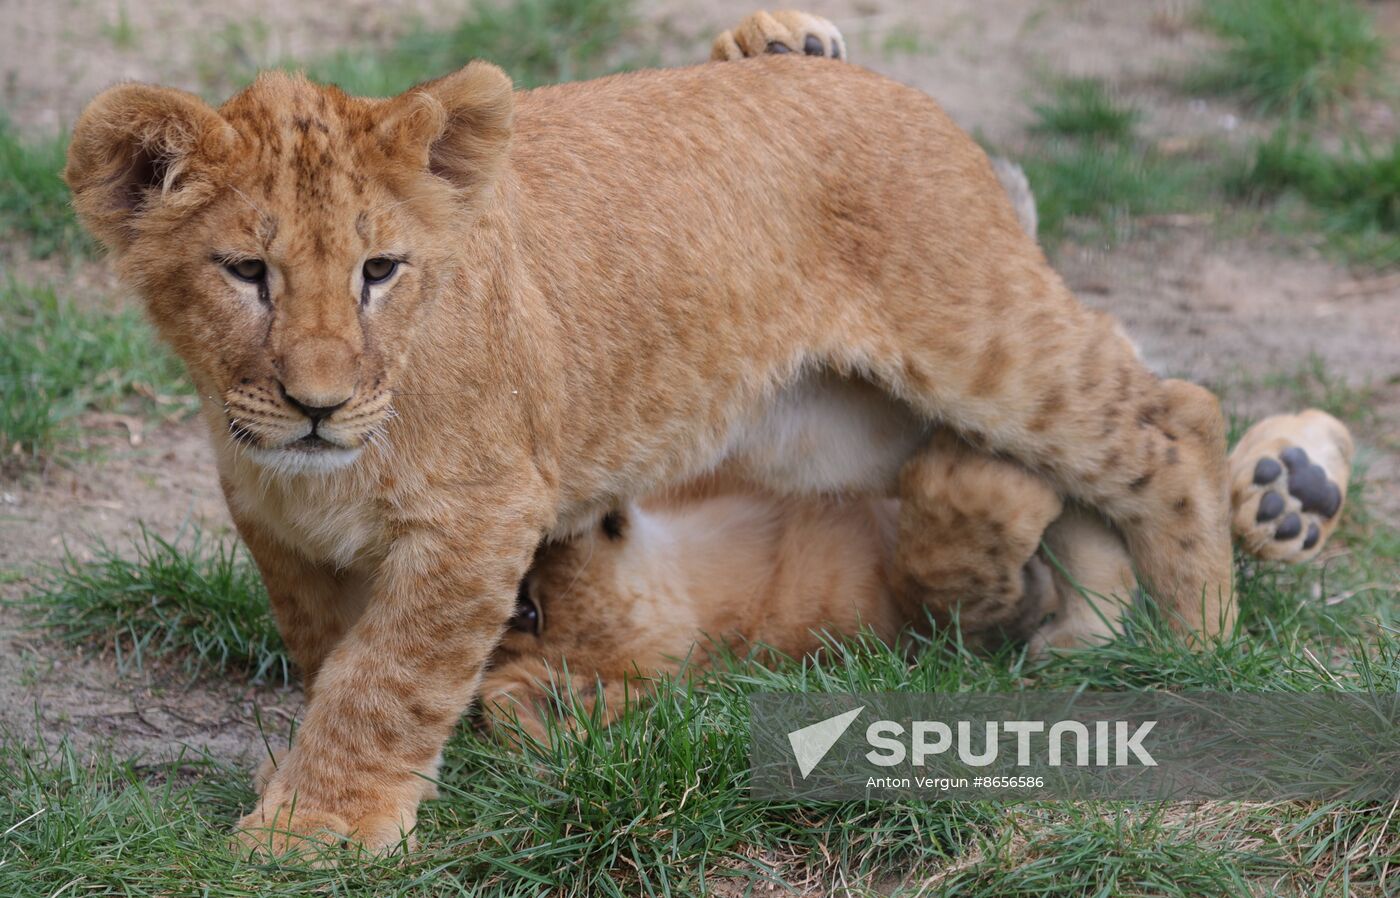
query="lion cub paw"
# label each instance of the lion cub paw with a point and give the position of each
(786, 31)
(513, 704)
(1288, 483)
(969, 524)
(280, 827)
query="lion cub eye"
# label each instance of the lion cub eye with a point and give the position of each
(526, 618)
(379, 270)
(613, 525)
(254, 271)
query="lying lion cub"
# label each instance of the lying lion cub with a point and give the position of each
(662, 581)
(659, 583)
(431, 330)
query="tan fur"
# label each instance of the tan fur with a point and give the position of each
(608, 287)
(738, 569)
(983, 543)
(1093, 583)
(723, 564)
(706, 564)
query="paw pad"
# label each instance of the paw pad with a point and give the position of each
(1309, 484)
(1288, 480)
(1289, 527)
(1315, 494)
(1270, 507)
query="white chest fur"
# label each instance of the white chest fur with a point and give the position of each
(326, 516)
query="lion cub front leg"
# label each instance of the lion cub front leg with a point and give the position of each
(313, 605)
(389, 694)
(969, 527)
(529, 692)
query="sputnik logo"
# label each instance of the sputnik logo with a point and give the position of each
(811, 743)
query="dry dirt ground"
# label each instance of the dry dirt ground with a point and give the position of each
(1221, 310)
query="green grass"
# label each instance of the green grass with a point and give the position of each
(1092, 174)
(33, 198)
(1085, 108)
(1313, 385)
(657, 803)
(122, 33)
(903, 39)
(1103, 187)
(1352, 196)
(1084, 851)
(193, 600)
(231, 55)
(58, 360)
(1292, 57)
(536, 41)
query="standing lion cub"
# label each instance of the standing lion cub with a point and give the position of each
(433, 329)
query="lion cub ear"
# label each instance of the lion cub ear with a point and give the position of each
(130, 159)
(458, 127)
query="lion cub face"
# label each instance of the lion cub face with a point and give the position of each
(610, 599)
(289, 243)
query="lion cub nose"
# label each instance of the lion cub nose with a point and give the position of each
(317, 375)
(316, 412)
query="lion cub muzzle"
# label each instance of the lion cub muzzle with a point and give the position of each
(319, 395)
(315, 412)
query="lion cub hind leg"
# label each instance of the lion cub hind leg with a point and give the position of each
(1058, 388)
(1170, 500)
(1288, 483)
(969, 526)
(1055, 386)
(786, 31)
